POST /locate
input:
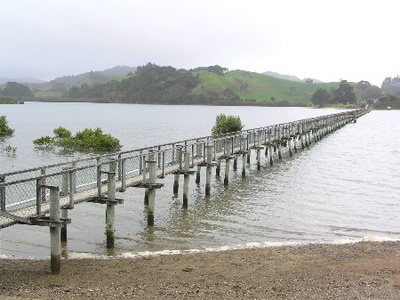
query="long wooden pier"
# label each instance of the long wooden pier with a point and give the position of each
(43, 196)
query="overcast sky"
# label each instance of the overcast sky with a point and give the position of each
(329, 40)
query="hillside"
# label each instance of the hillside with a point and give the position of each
(96, 77)
(213, 85)
(152, 84)
(259, 88)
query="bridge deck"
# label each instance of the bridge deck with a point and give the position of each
(23, 195)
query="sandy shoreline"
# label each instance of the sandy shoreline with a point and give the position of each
(365, 270)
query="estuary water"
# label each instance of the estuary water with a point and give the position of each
(344, 188)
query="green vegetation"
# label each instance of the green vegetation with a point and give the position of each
(87, 140)
(226, 124)
(152, 84)
(8, 100)
(9, 150)
(5, 130)
(258, 89)
(343, 95)
(16, 90)
(213, 85)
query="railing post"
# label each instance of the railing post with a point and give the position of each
(163, 165)
(122, 172)
(2, 193)
(110, 210)
(258, 150)
(144, 167)
(72, 187)
(99, 183)
(39, 195)
(120, 162)
(55, 238)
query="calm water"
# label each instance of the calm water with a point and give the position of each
(343, 188)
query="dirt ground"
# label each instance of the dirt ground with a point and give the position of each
(366, 270)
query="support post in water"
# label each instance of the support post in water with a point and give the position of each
(110, 210)
(64, 211)
(218, 168)
(146, 192)
(176, 176)
(259, 150)
(64, 216)
(186, 180)
(289, 141)
(227, 164)
(248, 149)
(152, 192)
(198, 154)
(209, 169)
(243, 150)
(198, 172)
(55, 238)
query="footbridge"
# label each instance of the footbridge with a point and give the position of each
(42, 196)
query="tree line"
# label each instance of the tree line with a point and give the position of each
(346, 94)
(152, 84)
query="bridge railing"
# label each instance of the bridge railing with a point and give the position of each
(24, 193)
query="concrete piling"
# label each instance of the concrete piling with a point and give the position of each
(209, 169)
(186, 180)
(151, 192)
(228, 150)
(110, 209)
(55, 236)
(176, 176)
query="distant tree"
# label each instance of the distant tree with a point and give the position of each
(343, 94)
(391, 85)
(364, 90)
(5, 130)
(14, 89)
(226, 124)
(308, 80)
(230, 95)
(213, 69)
(320, 97)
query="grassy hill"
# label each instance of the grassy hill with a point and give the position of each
(235, 87)
(259, 88)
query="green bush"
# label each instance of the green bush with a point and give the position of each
(88, 140)
(4, 129)
(226, 124)
(62, 132)
(46, 141)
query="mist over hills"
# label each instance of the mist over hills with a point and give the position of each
(91, 77)
(289, 77)
(21, 80)
(96, 77)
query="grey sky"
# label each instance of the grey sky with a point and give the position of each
(329, 40)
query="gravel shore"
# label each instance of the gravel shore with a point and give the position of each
(365, 270)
